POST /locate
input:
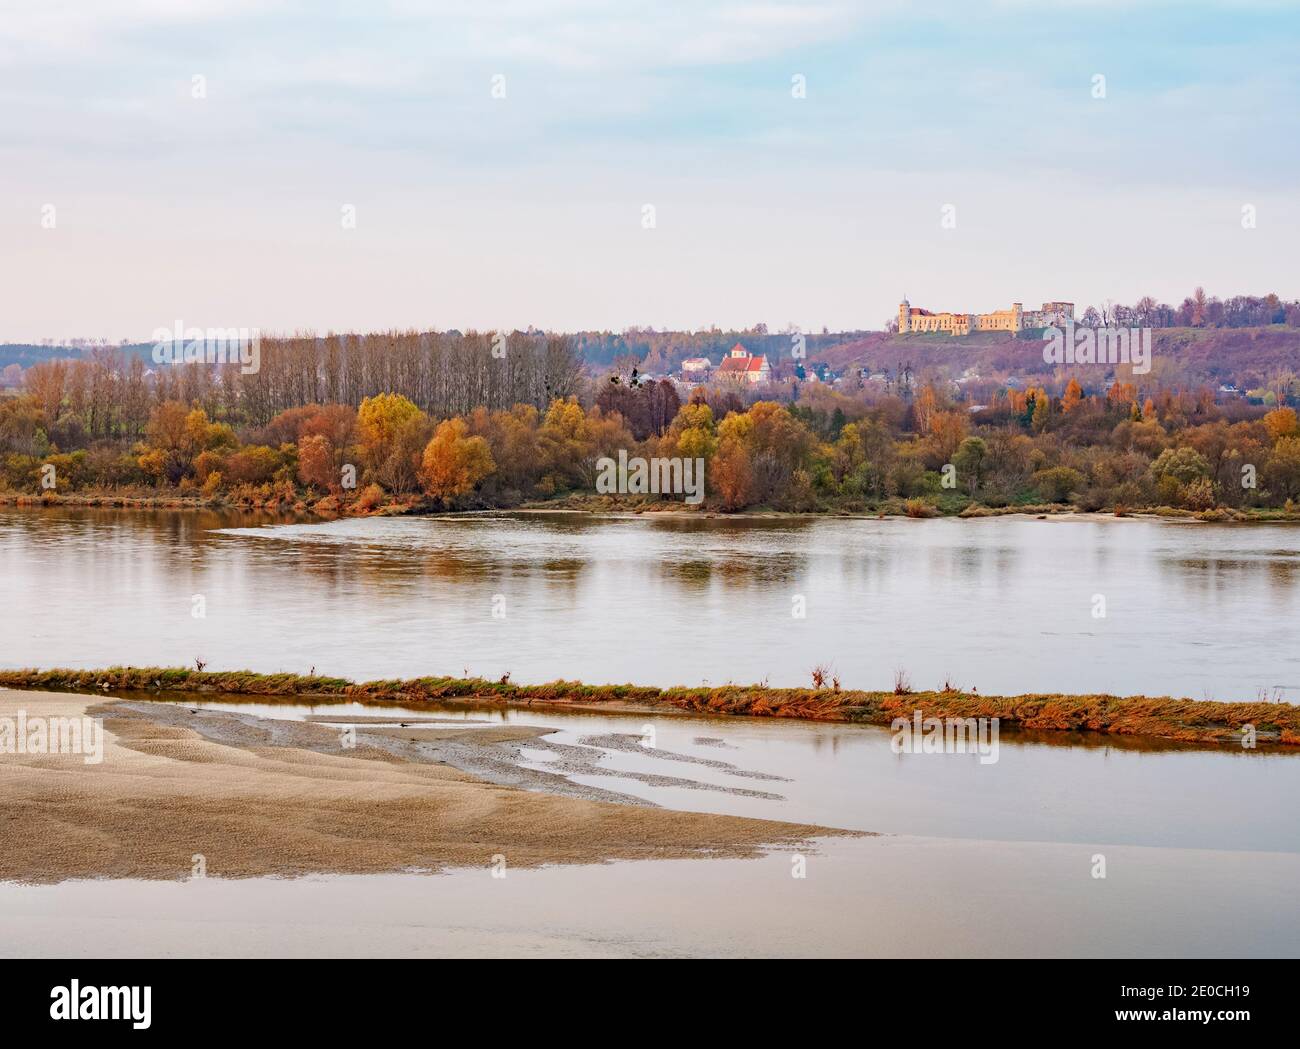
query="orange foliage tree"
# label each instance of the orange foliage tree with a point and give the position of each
(455, 462)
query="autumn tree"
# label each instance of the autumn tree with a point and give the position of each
(607, 434)
(1073, 396)
(566, 446)
(252, 464)
(455, 461)
(927, 403)
(731, 471)
(1042, 410)
(731, 475)
(1283, 470)
(515, 444)
(947, 431)
(45, 382)
(693, 434)
(316, 461)
(392, 432)
(849, 453)
(1281, 422)
(1199, 308)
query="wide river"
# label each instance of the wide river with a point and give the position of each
(1201, 847)
(1003, 605)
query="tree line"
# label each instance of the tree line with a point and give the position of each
(110, 393)
(1197, 310)
(1114, 447)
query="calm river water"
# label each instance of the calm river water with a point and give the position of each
(1004, 605)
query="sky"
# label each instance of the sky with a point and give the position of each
(581, 164)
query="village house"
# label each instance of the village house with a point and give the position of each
(741, 366)
(696, 369)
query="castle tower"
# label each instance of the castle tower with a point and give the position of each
(904, 315)
(1017, 316)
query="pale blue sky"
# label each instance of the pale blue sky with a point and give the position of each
(474, 211)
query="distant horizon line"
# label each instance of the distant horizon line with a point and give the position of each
(92, 342)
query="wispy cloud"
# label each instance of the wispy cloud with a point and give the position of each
(608, 105)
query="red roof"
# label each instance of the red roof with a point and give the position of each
(741, 364)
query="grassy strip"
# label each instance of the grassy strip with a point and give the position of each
(156, 499)
(1164, 718)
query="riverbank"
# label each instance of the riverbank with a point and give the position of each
(1183, 720)
(180, 792)
(330, 507)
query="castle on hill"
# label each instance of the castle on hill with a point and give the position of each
(914, 319)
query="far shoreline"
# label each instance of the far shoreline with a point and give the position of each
(565, 506)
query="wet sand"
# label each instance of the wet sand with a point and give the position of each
(256, 797)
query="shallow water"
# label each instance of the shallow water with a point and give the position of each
(889, 897)
(848, 776)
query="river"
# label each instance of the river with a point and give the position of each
(1201, 848)
(1004, 605)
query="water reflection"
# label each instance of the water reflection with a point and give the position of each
(1003, 605)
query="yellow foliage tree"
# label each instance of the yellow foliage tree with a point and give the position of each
(693, 434)
(392, 430)
(566, 444)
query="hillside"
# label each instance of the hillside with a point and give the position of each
(27, 354)
(1188, 357)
